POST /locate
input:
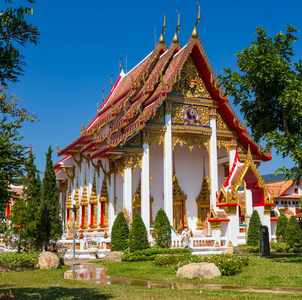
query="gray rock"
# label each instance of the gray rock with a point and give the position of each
(199, 270)
(113, 256)
(48, 260)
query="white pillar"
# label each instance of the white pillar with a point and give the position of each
(213, 158)
(111, 200)
(145, 187)
(168, 169)
(233, 229)
(127, 191)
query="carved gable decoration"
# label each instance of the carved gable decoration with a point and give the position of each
(221, 124)
(159, 117)
(135, 141)
(190, 84)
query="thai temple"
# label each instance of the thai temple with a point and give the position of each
(165, 137)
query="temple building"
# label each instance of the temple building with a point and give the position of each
(166, 136)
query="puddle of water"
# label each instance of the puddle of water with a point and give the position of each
(98, 275)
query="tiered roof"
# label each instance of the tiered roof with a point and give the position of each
(137, 95)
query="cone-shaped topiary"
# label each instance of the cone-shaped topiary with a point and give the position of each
(138, 236)
(253, 231)
(281, 226)
(293, 235)
(162, 230)
(119, 233)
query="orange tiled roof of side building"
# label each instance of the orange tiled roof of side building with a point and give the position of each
(279, 187)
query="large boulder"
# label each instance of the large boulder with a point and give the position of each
(113, 256)
(48, 260)
(200, 270)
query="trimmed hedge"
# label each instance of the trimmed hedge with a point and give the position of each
(253, 231)
(15, 261)
(138, 236)
(293, 235)
(162, 230)
(281, 226)
(151, 254)
(119, 233)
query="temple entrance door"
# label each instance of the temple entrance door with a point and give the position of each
(178, 216)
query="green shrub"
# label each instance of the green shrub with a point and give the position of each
(119, 233)
(138, 236)
(279, 247)
(151, 254)
(293, 235)
(281, 226)
(253, 231)
(162, 230)
(19, 261)
(246, 249)
(228, 264)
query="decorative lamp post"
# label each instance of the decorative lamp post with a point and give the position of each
(74, 211)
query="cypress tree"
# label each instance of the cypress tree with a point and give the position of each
(281, 226)
(162, 230)
(119, 233)
(32, 196)
(16, 235)
(253, 231)
(51, 223)
(138, 236)
(293, 235)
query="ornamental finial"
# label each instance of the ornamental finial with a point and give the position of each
(121, 64)
(103, 95)
(195, 33)
(161, 39)
(175, 38)
(111, 81)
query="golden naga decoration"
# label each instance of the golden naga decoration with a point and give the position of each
(175, 38)
(104, 199)
(195, 33)
(98, 107)
(137, 203)
(203, 202)
(190, 84)
(58, 149)
(78, 162)
(161, 38)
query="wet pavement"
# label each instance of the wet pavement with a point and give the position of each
(84, 271)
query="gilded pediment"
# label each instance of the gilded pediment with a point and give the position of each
(190, 84)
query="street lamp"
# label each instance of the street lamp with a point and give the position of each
(74, 211)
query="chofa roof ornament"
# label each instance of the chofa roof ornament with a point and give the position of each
(195, 33)
(175, 38)
(161, 38)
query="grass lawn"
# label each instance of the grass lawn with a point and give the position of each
(48, 284)
(282, 270)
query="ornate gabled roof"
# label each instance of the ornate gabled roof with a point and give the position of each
(137, 95)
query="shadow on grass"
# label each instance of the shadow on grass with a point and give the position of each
(56, 293)
(286, 257)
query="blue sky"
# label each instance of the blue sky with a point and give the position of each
(81, 43)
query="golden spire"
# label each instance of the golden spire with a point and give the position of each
(195, 33)
(111, 81)
(103, 95)
(121, 64)
(161, 39)
(175, 38)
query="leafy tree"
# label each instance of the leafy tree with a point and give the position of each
(268, 88)
(15, 31)
(293, 236)
(16, 235)
(253, 231)
(281, 226)
(12, 154)
(119, 233)
(32, 196)
(138, 236)
(162, 229)
(51, 223)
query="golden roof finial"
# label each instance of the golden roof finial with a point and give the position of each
(111, 81)
(195, 33)
(121, 64)
(103, 95)
(175, 38)
(161, 39)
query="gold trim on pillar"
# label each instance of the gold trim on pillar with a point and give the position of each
(104, 200)
(93, 201)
